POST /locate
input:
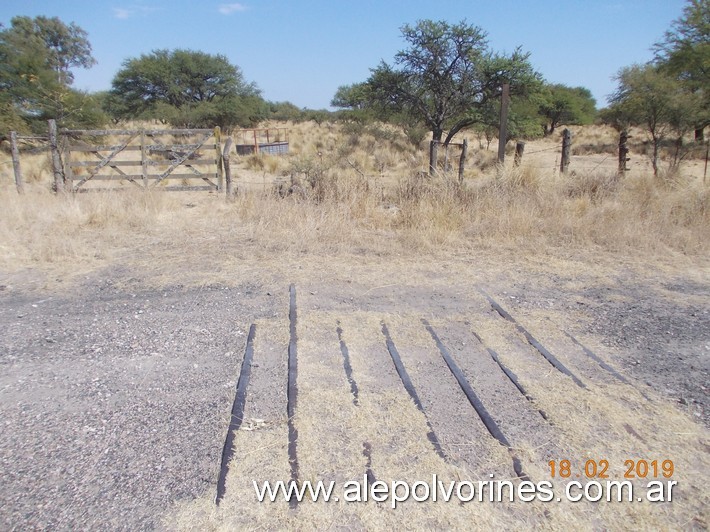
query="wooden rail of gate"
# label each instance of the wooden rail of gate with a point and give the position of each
(196, 156)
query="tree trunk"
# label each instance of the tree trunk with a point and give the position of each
(700, 134)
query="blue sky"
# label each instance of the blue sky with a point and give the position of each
(302, 51)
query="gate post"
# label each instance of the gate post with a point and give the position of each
(218, 148)
(16, 162)
(228, 167)
(56, 159)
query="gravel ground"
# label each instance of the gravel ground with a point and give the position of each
(115, 401)
(659, 331)
(115, 397)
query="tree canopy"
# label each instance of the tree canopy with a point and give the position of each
(187, 89)
(561, 104)
(444, 79)
(670, 96)
(37, 56)
(684, 53)
(649, 98)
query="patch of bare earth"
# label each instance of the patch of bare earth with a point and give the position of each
(116, 390)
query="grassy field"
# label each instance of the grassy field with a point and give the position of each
(364, 192)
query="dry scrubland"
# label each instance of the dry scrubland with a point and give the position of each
(350, 218)
(363, 191)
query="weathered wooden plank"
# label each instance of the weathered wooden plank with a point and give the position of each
(148, 132)
(151, 177)
(186, 188)
(149, 147)
(187, 176)
(184, 158)
(106, 160)
(78, 164)
(121, 172)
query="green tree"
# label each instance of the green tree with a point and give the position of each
(355, 100)
(684, 53)
(445, 76)
(66, 46)
(36, 58)
(186, 89)
(649, 98)
(285, 111)
(566, 105)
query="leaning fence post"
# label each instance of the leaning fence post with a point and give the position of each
(462, 159)
(227, 167)
(16, 162)
(56, 159)
(566, 145)
(519, 149)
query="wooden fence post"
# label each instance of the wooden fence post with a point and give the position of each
(65, 152)
(503, 129)
(519, 150)
(228, 167)
(56, 159)
(144, 160)
(623, 152)
(566, 145)
(462, 159)
(16, 162)
(218, 147)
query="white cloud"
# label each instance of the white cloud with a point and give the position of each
(121, 13)
(228, 9)
(124, 13)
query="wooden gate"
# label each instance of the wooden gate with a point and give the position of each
(143, 158)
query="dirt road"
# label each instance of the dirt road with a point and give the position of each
(115, 395)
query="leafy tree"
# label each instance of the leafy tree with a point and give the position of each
(284, 111)
(684, 53)
(355, 100)
(445, 77)
(524, 121)
(355, 96)
(186, 89)
(647, 97)
(36, 58)
(566, 105)
(66, 46)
